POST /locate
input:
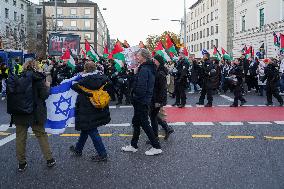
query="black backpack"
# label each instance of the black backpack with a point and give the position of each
(20, 93)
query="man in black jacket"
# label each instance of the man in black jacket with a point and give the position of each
(142, 94)
(272, 77)
(236, 79)
(181, 81)
(160, 96)
(208, 72)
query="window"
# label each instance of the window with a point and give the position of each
(197, 23)
(87, 11)
(87, 23)
(38, 11)
(207, 18)
(212, 30)
(200, 34)
(73, 11)
(194, 36)
(204, 34)
(207, 45)
(39, 36)
(211, 16)
(14, 2)
(39, 23)
(261, 17)
(216, 43)
(200, 46)
(7, 31)
(60, 23)
(212, 44)
(191, 48)
(203, 44)
(217, 29)
(22, 18)
(197, 35)
(203, 20)
(88, 36)
(15, 16)
(22, 6)
(73, 23)
(6, 13)
(208, 33)
(200, 22)
(59, 11)
(15, 33)
(243, 23)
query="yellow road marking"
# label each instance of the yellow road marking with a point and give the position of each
(201, 136)
(274, 137)
(241, 137)
(77, 135)
(4, 134)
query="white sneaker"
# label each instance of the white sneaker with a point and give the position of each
(129, 149)
(3, 98)
(153, 151)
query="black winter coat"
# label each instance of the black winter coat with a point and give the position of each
(40, 94)
(143, 84)
(182, 71)
(208, 75)
(160, 89)
(271, 74)
(86, 115)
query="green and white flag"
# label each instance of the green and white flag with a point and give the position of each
(70, 61)
(90, 52)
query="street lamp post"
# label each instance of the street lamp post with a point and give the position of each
(55, 2)
(184, 24)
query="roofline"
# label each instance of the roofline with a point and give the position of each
(195, 4)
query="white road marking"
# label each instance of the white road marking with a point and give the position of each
(188, 106)
(227, 98)
(177, 124)
(223, 105)
(260, 123)
(279, 122)
(202, 123)
(248, 105)
(7, 139)
(125, 106)
(231, 123)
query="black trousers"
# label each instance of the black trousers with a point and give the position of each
(155, 121)
(123, 90)
(238, 94)
(180, 93)
(206, 91)
(272, 90)
(140, 119)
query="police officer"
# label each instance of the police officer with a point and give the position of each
(208, 73)
(272, 77)
(236, 79)
(181, 75)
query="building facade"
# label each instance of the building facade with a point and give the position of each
(13, 23)
(207, 26)
(255, 22)
(79, 17)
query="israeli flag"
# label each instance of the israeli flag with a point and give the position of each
(61, 106)
(204, 51)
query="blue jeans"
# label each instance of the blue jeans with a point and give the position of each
(97, 141)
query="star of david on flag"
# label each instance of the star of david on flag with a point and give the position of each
(61, 107)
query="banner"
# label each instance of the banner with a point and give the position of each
(130, 56)
(58, 43)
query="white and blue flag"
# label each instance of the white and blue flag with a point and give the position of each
(61, 106)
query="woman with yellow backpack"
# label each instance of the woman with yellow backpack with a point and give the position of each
(92, 110)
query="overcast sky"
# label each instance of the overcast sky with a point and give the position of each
(131, 19)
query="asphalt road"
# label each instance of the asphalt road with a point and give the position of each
(237, 154)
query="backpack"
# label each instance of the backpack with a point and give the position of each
(100, 98)
(20, 94)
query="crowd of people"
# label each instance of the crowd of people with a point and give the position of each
(146, 87)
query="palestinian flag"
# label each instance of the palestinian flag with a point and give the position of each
(70, 61)
(118, 56)
(90, 52)
(216, 54)
(226, 56)
(281, 42)
(106, 53)
(161, 51)
(249, 53)
(83, 54)
(170, 47)
(185, 52)
(276, 40)
(244, 50)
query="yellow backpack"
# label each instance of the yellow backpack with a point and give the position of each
(100, 98)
